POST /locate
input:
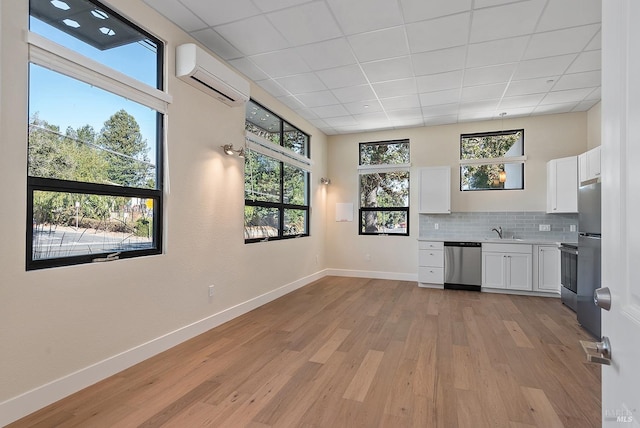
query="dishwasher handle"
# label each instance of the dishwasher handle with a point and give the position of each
(462, 244)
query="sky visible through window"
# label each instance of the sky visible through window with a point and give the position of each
(66, 102)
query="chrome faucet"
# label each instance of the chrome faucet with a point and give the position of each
(498, 231)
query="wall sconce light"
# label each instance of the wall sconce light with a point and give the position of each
(502, 176)
(325, 181)
(228, 149)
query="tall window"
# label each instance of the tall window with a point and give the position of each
(96, 113)
(276, 185)
(492, 160)
(384, 188)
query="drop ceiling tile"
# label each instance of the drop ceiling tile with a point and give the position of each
(570, 13)
(272, 5)
(543, 67)
(340, 77)
(401, 103)
(216, 12)
(595, 43)
(390, 69)
(409, 114)
(530, 86)
(496, 52)
(248, 68)
(515, 112)
(483, 92)
(317, 99)
(368, 107)
(340, 121)
(440, 97)
(488, 75)
(327, 54)
(381, 44)
(217, 44)
(335, 110)
(440, 81)
(407, 122)
(516, 19)
(354, 93)
(419, 10)
(479, 4)
(307, 23)
(281, 63)
(441, 120)
(587, 61)
(359, 16)
(253, 36)
(273, 88)
(436, 33)
(394, 88)
(571, 40)
(177, 13)
(439, 61)
(487, 108)
(562, 97)
(596, 94)
(587, 79)
(291, 102)
(302, 83)
(440, 110)
(319, 123)
(372, 120)
(585, 105)
(307, 114)
(555, 108)
(521, 101)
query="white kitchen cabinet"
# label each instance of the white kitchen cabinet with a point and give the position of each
(589, 165)
(546, 269)
(562, 185)
(435, 190)
(431, 264)
(507, 266)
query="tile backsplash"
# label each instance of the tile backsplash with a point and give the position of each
(516, 224)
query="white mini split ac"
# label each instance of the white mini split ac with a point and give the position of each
(198, 68)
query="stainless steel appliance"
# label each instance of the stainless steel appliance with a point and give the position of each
(569, 275)
(589, 256)
(463, 265)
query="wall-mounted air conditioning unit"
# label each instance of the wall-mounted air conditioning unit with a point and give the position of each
(198, 68)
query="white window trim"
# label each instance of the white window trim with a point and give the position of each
(283, 154)
(53, 56)
(370, 169)
(492, 161)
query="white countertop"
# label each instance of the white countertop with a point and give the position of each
(534, 241)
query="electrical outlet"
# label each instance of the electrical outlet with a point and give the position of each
(572, 228)
(211, 290)
(436, 226)
(545, 228)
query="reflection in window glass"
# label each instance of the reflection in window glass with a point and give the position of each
(73, 224)
(295, 140)
(261, 222)
(295, 185)
(98, 33)
(492, 145)
(262, 122)
(71, 137)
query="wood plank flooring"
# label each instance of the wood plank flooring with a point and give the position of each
(352, 352)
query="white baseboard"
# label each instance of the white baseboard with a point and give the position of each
(30, 401)
(394, 276)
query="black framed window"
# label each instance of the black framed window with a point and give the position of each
(492, 160)
(384, 188)
(96, 115)
(277, 164)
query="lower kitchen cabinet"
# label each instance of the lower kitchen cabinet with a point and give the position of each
(430, 264)
(546, 264)
(507, 266)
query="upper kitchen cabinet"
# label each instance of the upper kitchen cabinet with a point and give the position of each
(435, 190)
(562, 185)
(589, 165)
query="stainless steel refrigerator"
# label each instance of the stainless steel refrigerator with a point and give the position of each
(589, 202)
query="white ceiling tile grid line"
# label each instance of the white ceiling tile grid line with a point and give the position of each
(360, 65)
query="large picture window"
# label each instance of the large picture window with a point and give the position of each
(276, 173)
(96, 114)
(384, 188)
(492, 160)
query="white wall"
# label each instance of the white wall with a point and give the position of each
(546, 137)
(55, 322)
(594, 126)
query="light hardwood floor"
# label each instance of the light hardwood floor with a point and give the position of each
(350, 352)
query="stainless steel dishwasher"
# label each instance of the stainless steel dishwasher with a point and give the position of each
(463, 265)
